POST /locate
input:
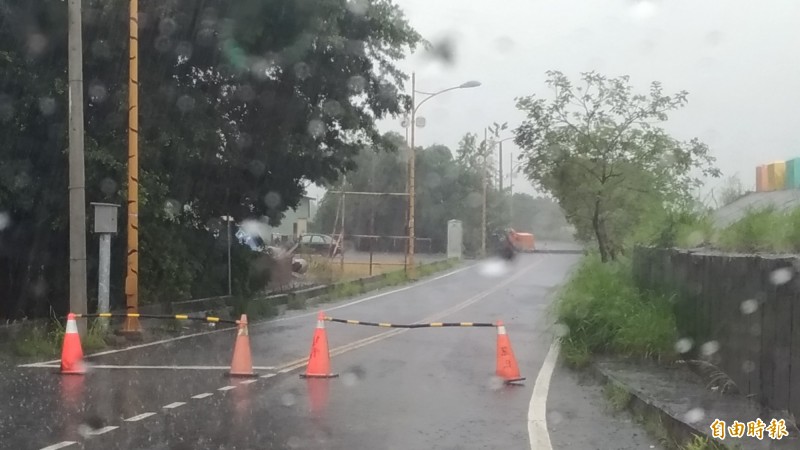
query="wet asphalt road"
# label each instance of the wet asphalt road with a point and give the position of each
(429, 388)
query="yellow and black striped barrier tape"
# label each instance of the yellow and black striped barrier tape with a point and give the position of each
(413, 325)
(209, 319)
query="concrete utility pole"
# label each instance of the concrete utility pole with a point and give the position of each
(500, 161)
(341, 236)
(229, 219)
(412, 169)
(77, 182)
(485, 169)
(510, 189)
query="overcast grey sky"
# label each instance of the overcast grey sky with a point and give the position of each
(737, 58)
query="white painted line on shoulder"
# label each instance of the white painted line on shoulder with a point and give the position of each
(126, 367)
(103, 430)
(204, 395)
(59, 445)
(537, 409)
(226, 388)
(287, 369)
(140, 417)
(174, 405)
(268, 375)
(248, 381)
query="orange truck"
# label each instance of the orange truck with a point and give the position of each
(523, 242)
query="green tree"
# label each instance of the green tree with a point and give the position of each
(599, 150)
(240, 103)
(732, 190)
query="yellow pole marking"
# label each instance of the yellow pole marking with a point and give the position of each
(181, 317)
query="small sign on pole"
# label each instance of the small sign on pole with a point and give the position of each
(105, 224)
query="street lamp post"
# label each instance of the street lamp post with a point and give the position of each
(495, 130)
(412, 158)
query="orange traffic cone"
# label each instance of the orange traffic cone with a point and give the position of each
(71, 352)
(507, 367)
(319, 359)
(242, 363)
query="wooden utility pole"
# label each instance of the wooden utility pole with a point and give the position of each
(77, 179)
(132, 326)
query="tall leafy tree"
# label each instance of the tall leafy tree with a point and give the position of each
(240, 104)
(599, 148)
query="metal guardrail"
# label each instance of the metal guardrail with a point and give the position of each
(209, 319)
(561, 252)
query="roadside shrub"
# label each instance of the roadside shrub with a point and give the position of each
(257, 308)
(296, 303)
(46, 340)
(601, 311)
(763, 230)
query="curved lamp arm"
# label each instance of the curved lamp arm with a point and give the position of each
(467, 85)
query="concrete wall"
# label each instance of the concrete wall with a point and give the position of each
(749, 305)
(300, 214)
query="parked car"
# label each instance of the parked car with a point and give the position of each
(318, 244)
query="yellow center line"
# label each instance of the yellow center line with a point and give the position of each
(300, 362)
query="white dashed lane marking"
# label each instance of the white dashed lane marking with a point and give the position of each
(248, 381)
(59, 445)
(204, 395)
(103, 430)
(268, 375)
(226, 388)
(140, 417)
(174, 405)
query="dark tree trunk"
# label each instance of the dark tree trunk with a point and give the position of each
(600, 233)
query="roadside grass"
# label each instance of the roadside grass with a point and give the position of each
(617, 397)
(653, 424)
(703, 443)
(600, 311)
(694, 231)
(46, 340)
(330, 270)
(762, 230)
(256, 308)
(759, 230)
